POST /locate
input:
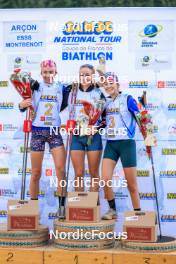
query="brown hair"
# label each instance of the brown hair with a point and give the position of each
(89, 66)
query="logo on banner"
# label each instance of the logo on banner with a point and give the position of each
(168, 174)
(24, 34)
(143, 173)
(89, 28)
(161, 59)
(56, 194)
(4, 83)
(3, 213)
(120, 195)
(171, 107)
(7, 193)
(28, 171)
(7, 127)
(49, 172)
(52, 215)
(168, 151)
(147, 196)
(87, 56)
(24, 62)
(24, 28)
(155, 129)
(171, 195)
(22, 149)
(6, 105)
(152, 107)
(166, 84)
(155, 62)
(138, 84)
(5, 149)
(18, 60)
(78, 34)
(148, 34)
(41, 194)
(146, 60)
(141, 152)
(150, 31)
(168, 218)
(4, 170)
(172, 129)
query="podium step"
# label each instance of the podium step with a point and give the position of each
(27, 239)
(84, 236)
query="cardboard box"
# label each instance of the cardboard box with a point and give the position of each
(140, 226)
(23, 215)
(83, 207)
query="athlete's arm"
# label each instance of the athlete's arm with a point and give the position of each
(34, 84)
(132, 105)
(23, 105)
(65, 92)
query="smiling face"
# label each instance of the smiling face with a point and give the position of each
(86, 76)
(48, 73)
(111, 87)
(48, 70)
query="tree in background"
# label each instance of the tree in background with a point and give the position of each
(84, 3)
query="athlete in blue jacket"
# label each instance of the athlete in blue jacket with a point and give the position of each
(120, 121)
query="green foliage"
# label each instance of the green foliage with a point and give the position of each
(83, 3)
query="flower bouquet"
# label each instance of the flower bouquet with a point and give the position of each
(146, 126)
(83, 123)
(22, 83)
(91, 116)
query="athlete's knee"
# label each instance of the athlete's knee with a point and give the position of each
(60, 169)
(79, 172)
(94, 172)
(132, 188)
(36, 174)
(105, 178)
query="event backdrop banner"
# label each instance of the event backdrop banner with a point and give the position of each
(139, 45)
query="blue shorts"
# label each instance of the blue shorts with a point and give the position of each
(80, 143)
(41, 136)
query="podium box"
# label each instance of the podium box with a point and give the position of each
(23, 215)
(140, 226)
(82, 207)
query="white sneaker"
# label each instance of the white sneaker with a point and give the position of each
(110, 214)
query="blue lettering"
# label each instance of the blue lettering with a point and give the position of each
(24, 28)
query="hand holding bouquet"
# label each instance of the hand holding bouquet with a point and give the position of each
(83, 122)
(22, 83)
(146, 126)
(93, 113)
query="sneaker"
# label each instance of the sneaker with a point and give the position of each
(110, 214)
